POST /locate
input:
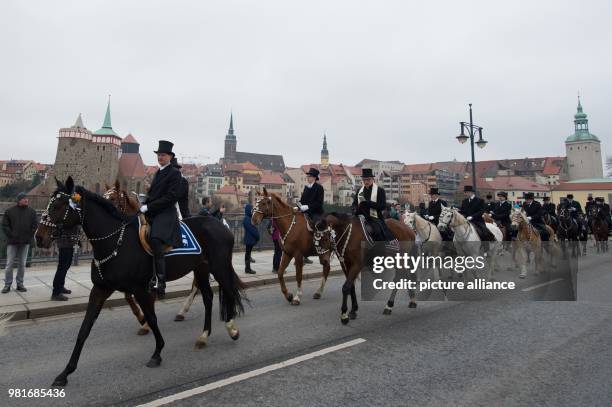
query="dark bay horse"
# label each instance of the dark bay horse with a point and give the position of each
(296, 241)
(120, 264)
(348, 242)
(599, 227)
(568, 231)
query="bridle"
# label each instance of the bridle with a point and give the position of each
(449, 222)
(414, 226)
(272, 217)
(318, 235)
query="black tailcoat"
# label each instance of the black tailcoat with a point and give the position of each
(313, 197)
(161, 200)
(434, 209)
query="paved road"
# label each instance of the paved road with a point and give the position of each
(508, 351)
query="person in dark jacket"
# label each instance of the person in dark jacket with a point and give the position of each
(472, 207)
(435, 206)
(533, 210)
(251, 237)
(18, 224)
(311, 201)
(572, 206)
(66, 242)
(588, 205)
(604, 209)
(501, 212)
(549, 207)
(207, 209)
(183, 200)
(370, 201)
(489, 203)
(160, 209)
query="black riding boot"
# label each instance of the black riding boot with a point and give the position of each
(160, 272)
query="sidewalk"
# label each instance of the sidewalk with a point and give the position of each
(36, 303)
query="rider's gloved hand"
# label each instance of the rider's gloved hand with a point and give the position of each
(430, 217)
(304, 208)
(296, 209)
(469, 218)
(528, 217)
(143, 209)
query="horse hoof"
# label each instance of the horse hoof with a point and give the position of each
(522, 275)
(295, 301)
(387, 311)
(412, 305)
(344, 320)
(235, 337)
(154, 362)
(199, 344)
(179, 317)
(316, 296)
(59, 382)
(143, 331)
(289, 297)
(352, 315)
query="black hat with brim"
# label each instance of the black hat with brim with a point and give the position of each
(528, 195)
(546, 198)
(165, 147)
(433, 191)
(367, 173)
(468, 188)
(502, 193)
(313, 172)
(570, 196)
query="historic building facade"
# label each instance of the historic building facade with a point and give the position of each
(583, 150)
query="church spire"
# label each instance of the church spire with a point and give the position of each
(324, 152)
(79, 123)
(107, 128)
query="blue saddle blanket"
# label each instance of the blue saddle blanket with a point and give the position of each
(190, 243)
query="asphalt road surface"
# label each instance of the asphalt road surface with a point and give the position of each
(508, 351)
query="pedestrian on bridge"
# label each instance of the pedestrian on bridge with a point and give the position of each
(18, 224)
(66, 243)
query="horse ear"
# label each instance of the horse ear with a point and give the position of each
(69, 185)
(265, 191)
(117, 185)
(59, 183)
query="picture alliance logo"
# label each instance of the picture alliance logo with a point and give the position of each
(458, 264)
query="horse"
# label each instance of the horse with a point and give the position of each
(120, 263)
(528, 241)
(466, 239)
(429, 239)
(344, 233)
(296, 241)
(127, 205)
(599, 227)
(551, 221)
(568, 231)
(583, 235)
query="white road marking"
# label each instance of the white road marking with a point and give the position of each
(248, 375)
(542, 285)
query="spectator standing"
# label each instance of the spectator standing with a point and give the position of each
(19, 224)
(251, 237)
(66, 243)
(278, 251)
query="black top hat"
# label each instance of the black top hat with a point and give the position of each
(367, 173)
(165, 147)
(570, 196)
(502, 193)
(489, 196)
(599, 199)
(528, 195)
(433, 191)
(468, 188)
(175, 164)
(546, 199)
(313, 172)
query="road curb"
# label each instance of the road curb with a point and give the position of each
(55, 308)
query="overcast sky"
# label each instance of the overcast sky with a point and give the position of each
(388, 80)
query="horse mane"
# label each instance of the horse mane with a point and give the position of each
(132, 203)
(101, 201)
(279, 199)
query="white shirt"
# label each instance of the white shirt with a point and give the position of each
(161, 168)
(309, 185)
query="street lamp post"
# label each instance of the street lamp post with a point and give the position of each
(481, 143)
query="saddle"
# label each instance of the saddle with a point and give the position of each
(309, 222)
(483, 232)
(374, 232)
(144, 231)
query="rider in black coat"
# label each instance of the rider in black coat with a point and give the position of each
(472, 208)
(489, 203)
(160, 209)
(363, 204)
(435, 206)
(533, 210)
(311, 201)
(573, 206)
(502, 210)
(183, 201)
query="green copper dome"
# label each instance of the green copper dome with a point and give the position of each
(581, 125)
(107, 128)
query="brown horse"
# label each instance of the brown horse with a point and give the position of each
(528, 241)
(348, 248)
(599, 227)
(296, 241)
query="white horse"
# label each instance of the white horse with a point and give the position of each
(466, 240)
(528, 241)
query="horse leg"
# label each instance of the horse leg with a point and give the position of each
(390, 302)
(285, 260)
(326, 268)
(354, 306)
(146, 304)
(187, 303)
(201, 276)
(299, 265)
(97, 297)
(144, 329)
(346, 291)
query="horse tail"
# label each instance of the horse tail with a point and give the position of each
(231, 293)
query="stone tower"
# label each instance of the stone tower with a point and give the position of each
(107, 151)
(583, 150)
(324, 153)
(229, 155)
(74, 157)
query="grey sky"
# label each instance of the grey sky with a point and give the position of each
(384, 79)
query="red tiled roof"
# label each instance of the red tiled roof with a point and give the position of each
(583, 186)
(271, 178)
(131, 165)
(416, 168)
(229, 190)
(129, 139)
(553, 165)
(505, 183)
(151, 169)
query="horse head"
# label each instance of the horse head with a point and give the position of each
(449, 217)
(262, 208)
(121, 199)
(410, 219)
(61, 212)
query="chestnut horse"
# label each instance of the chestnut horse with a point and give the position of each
(295, 238)
(347, 238)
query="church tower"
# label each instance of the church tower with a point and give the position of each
(583, 150)
(73, 153)
(229, 154)
(324, 153)
(105, 166)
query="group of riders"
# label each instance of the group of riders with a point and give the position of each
(167, 201)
